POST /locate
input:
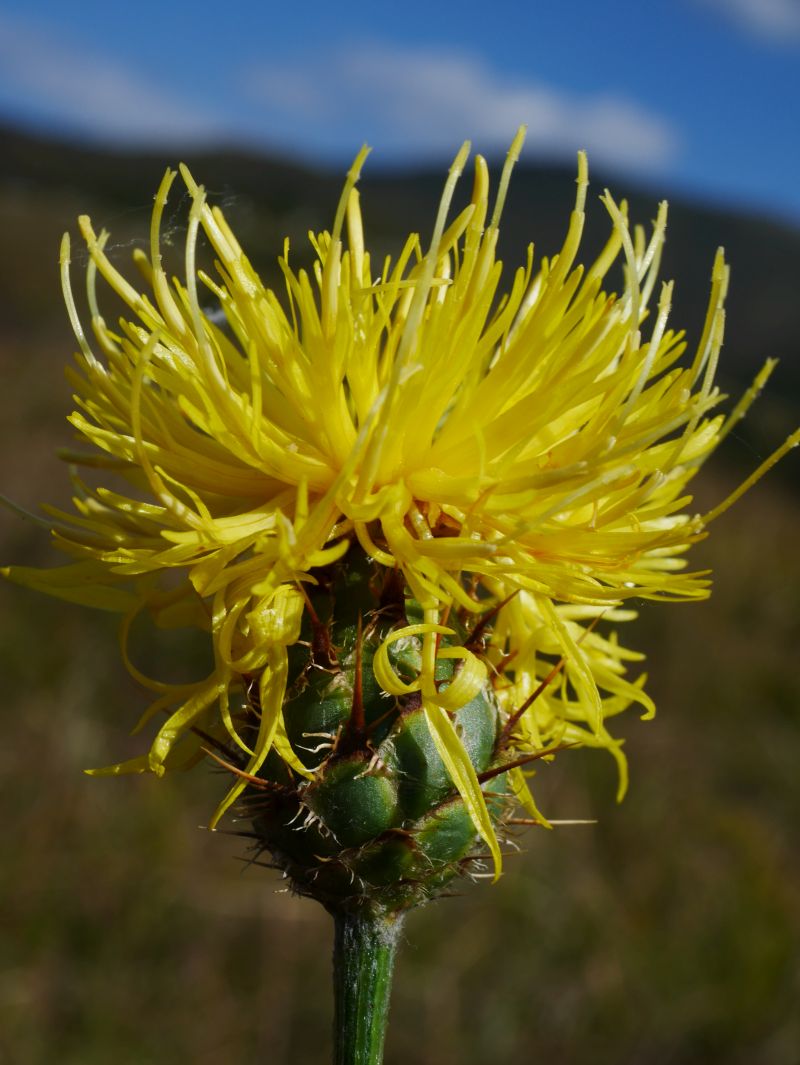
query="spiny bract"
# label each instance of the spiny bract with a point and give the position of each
(399, 503)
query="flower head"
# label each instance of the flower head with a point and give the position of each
(520, 458)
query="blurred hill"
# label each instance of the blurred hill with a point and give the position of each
(44, 184)
(666, 934)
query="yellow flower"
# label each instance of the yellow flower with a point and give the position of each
(527, 452)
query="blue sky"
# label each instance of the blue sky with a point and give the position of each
(693, 96)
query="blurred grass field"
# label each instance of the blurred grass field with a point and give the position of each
(666, 934)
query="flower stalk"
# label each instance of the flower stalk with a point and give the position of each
(365, 944)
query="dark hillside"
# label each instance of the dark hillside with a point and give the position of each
(44, 184)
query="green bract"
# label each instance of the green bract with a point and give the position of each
(381, 824)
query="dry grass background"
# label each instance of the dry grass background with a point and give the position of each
(667, 934)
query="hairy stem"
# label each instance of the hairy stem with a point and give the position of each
(363, 962)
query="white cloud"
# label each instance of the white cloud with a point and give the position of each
(408, 102)
(774, 20)
(92, 93)
(422, 100)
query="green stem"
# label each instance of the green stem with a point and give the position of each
(363, 961)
